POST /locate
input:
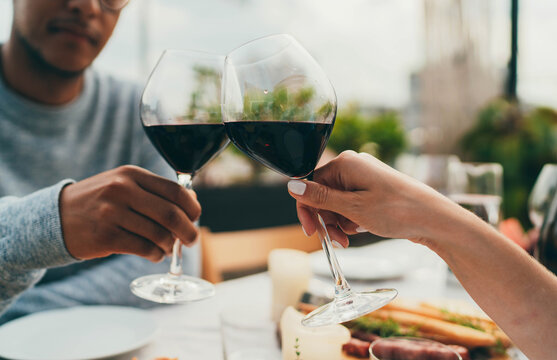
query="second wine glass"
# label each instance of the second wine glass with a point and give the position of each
(181, 114)
(543, 191)
(279, 108)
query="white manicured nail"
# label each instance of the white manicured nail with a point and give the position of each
(297, 187)
(337, 244)
(305, 232)
(360, 229)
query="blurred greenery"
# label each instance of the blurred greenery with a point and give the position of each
(205, 100)
(282, 105)
(381, 135)
(522, 140)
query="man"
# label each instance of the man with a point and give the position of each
(67, 193)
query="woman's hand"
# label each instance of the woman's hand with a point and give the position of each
(356, 193)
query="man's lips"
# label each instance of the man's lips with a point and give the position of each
(74, 28)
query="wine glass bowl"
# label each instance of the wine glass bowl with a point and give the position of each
(279, 105)
(279, 108)
(542, 193)
(181, 114)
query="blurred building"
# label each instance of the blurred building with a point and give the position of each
(459, 74)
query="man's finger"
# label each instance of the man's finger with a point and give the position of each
(166, 189)
(129, 243)
(147, 229)
(165, 213)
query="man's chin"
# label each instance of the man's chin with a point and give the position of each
(67, 72)
(62, 69)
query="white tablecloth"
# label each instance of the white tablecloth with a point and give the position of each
(191, 331)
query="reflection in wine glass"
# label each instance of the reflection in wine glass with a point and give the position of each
(543, 191)
(180, 112)
(279, 109)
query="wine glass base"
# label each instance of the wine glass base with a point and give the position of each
(171, 289)
(349, 307)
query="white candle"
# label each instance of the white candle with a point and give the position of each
(290, 272)
(310, 343)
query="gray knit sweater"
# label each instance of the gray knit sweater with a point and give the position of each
(43, 148)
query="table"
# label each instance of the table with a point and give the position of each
(192, 331)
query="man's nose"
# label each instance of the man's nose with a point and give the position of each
(86, 8)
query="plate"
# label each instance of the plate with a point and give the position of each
(78, 333)
(386, 259)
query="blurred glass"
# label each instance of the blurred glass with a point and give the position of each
(431, 169)
(543, 191)
(248, 333)
(477, 187)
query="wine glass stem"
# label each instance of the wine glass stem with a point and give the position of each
(341, 285)
(186, 181)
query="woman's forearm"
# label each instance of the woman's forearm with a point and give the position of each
(517, 292)
(358, 192)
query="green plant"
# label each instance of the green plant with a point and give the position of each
(382, 135)
(387, 132)
(521, 141)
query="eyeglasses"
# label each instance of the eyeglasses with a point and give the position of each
(114, 4)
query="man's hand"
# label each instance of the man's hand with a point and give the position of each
(127, 210)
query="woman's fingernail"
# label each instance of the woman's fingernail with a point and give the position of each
(297, 187)
(305, 232)
(337, 244)
(360, 229)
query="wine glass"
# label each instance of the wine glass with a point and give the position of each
(477, 187)
(181, 114)
(542, 193)
(279, 108)
(431, 169)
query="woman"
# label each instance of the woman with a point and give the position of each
(358, 193)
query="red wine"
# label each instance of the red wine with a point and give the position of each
(187, 147)
(291, 148)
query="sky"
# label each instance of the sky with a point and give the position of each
(368, 48)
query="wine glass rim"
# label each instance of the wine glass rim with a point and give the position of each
(190, 51)
(170, 51)
(245, 45)
(480, 163)
(497, 167)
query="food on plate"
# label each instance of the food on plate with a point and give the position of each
(474, 336)
(406, 348)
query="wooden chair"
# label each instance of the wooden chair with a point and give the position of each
(244, 250)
